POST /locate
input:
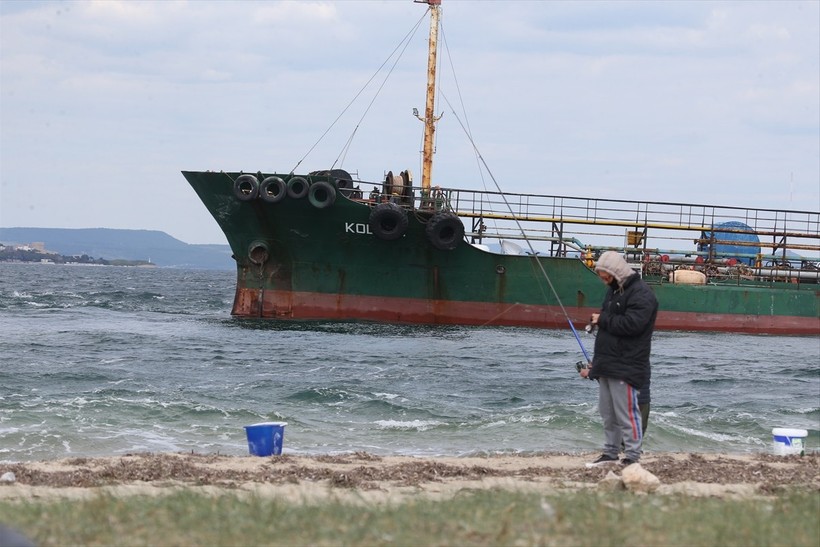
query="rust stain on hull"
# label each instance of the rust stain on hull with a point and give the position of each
(308, 306)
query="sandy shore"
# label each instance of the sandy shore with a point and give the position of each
(366, 478)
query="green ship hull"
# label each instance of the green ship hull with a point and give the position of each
(310, 247)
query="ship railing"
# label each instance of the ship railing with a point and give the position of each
(564, 222)
(660, 262)
(674, 255)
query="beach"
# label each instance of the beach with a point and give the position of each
(365, 478)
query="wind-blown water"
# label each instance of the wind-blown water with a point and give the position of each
(107, 360)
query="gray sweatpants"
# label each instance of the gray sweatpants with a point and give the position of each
(618, 405)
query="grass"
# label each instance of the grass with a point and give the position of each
(485, 517)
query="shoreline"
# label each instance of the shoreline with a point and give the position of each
(361, 477)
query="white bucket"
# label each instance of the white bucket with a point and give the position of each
(789, 441)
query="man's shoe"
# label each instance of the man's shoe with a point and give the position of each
(627, 461)
(603, 459)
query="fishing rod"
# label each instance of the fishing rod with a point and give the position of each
(523, 233)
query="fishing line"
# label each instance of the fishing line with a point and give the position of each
(521, 229)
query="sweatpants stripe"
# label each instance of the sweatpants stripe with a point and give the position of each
(632, 407)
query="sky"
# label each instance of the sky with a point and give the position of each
(103, 103)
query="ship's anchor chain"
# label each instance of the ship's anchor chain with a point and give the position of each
(260, 297)
(258, 254)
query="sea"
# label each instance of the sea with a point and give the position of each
(106, 361)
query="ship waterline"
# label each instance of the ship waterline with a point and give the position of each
(318, 306)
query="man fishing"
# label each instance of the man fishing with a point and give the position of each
(621, 359)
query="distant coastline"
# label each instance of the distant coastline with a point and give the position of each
(33, 254)
(110, 247)
(103, 264)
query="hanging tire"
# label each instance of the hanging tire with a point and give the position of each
(245, 187)
(273, 190)
(388, 221)
(445, 231)
(322, 194)
(298, 187)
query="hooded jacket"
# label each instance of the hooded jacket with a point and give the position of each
(625, 324)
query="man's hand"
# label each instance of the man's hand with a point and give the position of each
(584, 372)
(593, 320)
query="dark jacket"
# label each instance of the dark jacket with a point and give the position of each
(624, 338)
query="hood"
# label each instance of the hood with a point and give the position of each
(615, 265)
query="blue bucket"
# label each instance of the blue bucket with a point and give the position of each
(266, 438)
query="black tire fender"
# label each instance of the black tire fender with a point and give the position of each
(388, 221)
(445, 230)
(321, 194)
(273, 190)
(246, 187)
(298, 187)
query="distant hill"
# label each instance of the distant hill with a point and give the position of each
(162, 249)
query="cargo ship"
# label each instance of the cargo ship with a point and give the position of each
(323, 245)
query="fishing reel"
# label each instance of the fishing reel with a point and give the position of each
(591, 328)
(582, 365)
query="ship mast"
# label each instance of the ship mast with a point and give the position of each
(429, 115)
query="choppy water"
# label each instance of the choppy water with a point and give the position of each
(107, 360)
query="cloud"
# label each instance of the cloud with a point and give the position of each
(103, 103)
